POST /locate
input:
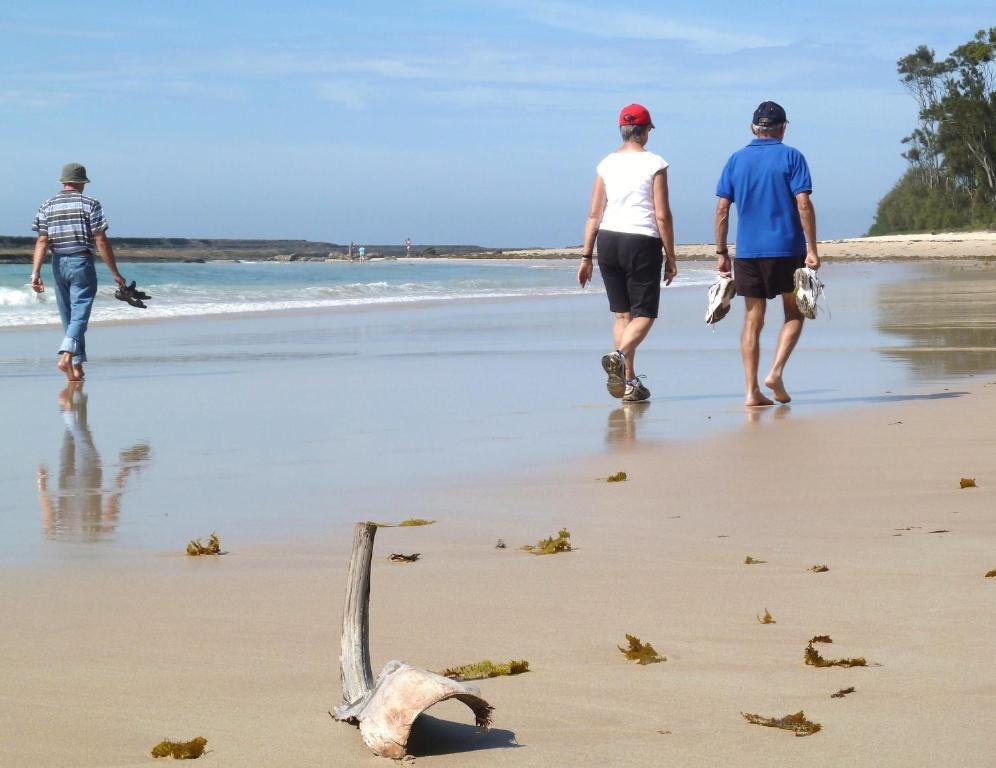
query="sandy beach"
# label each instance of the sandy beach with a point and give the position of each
(940, 245)
(114, 639)
(242, 649)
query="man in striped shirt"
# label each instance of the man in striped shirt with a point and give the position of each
(73, 226)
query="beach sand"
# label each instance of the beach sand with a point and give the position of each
(108, 648)
(103, 660)
(941, 245)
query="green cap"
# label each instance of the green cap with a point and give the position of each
(73, 173)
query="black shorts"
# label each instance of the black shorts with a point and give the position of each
(631, 270)
(766, 277)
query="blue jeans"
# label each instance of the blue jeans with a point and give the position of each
(75, 289)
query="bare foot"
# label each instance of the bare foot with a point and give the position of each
(78, 372)
(774, 383)
(65, 365)
(756, 400)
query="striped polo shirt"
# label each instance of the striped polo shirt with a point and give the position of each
(70, 219)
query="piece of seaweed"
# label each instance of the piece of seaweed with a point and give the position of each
(941, 530)
(796, 723)
(180, 750)
(821, 639)
(414, 522)
(842, 693)
(814, 659)
(819, 569)
(991, 574)
(618, 477)
(751, 561)
(767, 618)
(551, 545)
(213, 547)
(968, 482)
(500, 544)
(641, 653)
(487, 668)
(397, 557)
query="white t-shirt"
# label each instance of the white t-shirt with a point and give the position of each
(629, 189)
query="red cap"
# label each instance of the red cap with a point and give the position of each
(635, 114)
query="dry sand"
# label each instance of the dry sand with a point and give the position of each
(949, 245)
(101, 660)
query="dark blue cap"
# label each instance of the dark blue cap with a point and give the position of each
(768, 113)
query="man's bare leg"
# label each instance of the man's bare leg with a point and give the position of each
(750, 350)
(788, 337)
(635, 332)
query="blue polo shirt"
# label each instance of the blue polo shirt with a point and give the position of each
(762, 180)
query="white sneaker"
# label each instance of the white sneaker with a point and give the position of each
(635, 391)
(614, 365)
(721, 293)
(808, 291)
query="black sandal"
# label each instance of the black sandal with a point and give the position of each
(132, 295)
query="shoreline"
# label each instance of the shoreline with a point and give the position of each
(416, 303)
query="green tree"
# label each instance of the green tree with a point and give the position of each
(951, 182)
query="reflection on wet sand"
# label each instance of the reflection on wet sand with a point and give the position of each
(948, 318)
(621, 427)
(755, 415)
(81, 509)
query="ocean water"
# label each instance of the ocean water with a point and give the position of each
(220, 288)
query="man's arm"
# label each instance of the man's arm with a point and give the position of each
(41, 245)
(107, 254)
(723, 264)
(807, 215)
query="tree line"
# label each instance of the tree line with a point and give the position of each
(951, 180)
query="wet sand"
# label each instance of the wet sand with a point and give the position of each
(113, 642)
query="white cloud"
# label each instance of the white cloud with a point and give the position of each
(633, 25)
(352, 96)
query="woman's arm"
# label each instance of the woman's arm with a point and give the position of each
(665, 224)
(595, 211)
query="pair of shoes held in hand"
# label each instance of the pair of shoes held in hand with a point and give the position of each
(808, 291)
(132, 295)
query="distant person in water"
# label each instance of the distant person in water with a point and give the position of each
(408, 247)
(73, 226)
(776, 234)
(631, 218)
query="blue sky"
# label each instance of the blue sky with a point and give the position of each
(459, 122)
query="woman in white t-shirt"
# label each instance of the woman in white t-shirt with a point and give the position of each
(631, 217)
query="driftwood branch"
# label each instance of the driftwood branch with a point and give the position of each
(386, 710)
(354, 651)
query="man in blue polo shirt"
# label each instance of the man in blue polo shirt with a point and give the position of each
(776, 234)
